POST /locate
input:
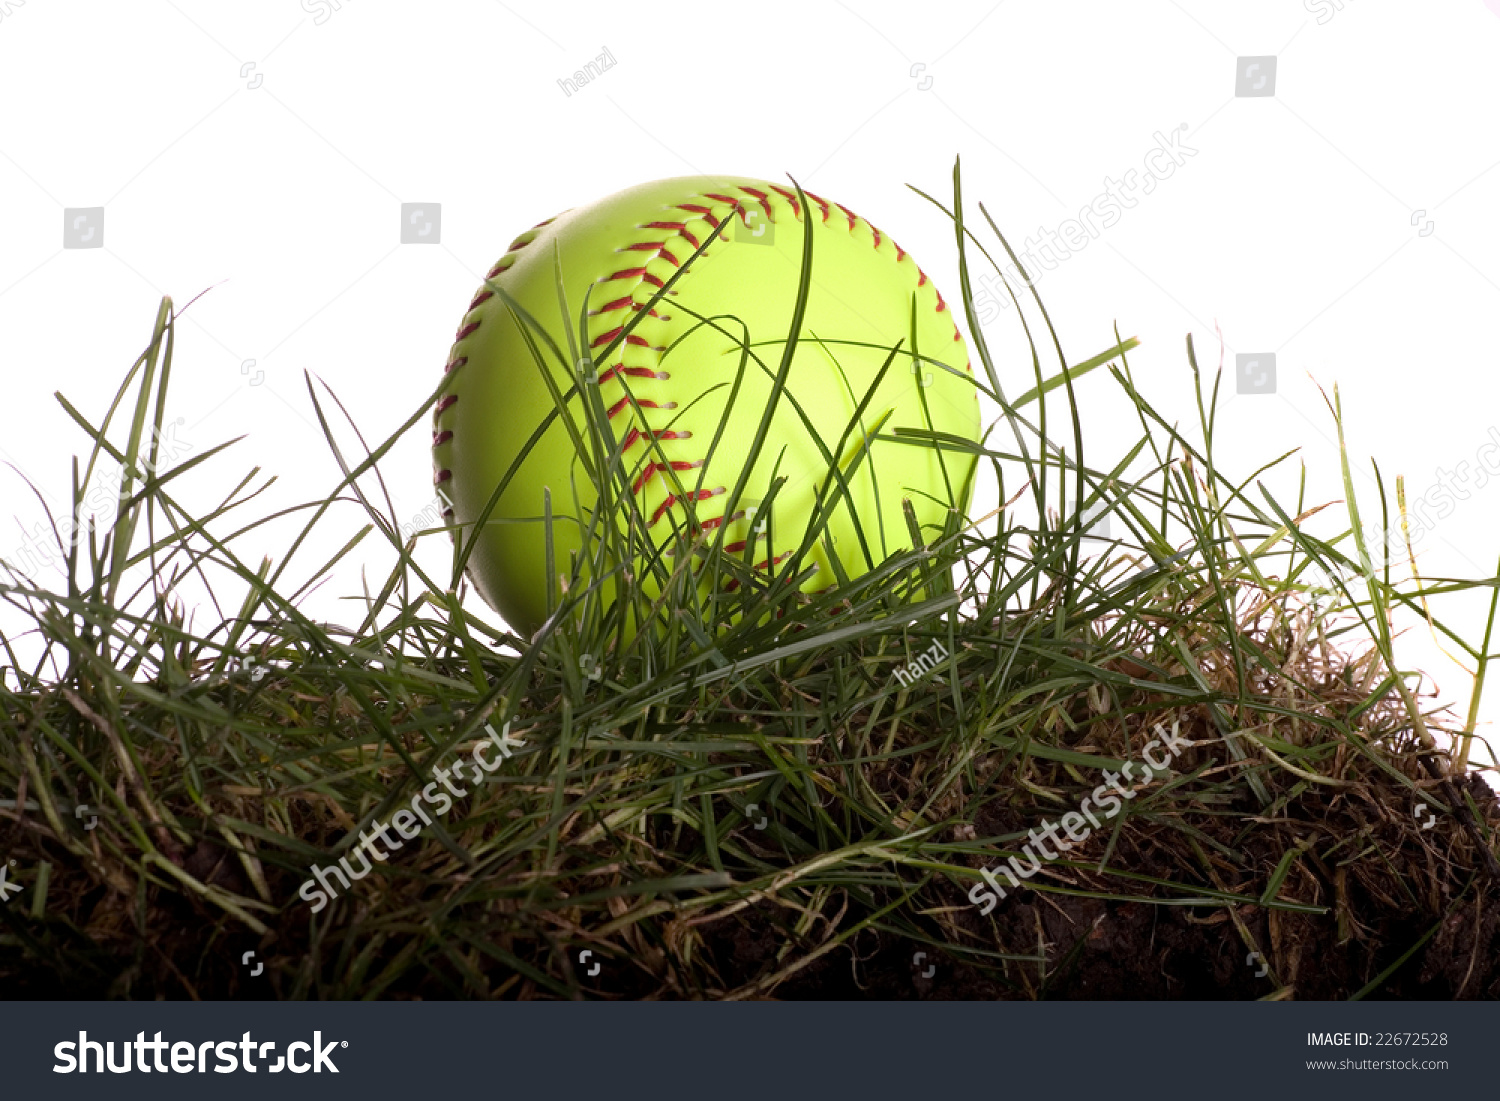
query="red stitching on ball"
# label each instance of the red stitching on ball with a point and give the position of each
(465, 331)
(636, 372)
(633, 273)
(658, 247)
(442, 476)
(440, 438)
(760, 197)
(853, 217)
(791, 197)
(444, 404)
(635, 435)
(624, 403)
(481, 297)
(605, 338)
(822, 203)
(715, 521)
(671, 501)
(704, 212)
(733, 583)
(455, 364)
(680, 227)
(628, 302)
(652, 467)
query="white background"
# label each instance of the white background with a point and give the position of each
(1348, 223)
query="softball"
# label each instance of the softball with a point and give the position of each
(687, 388)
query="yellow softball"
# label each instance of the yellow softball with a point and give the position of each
(666, 309)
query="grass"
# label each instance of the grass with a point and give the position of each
(746, 802)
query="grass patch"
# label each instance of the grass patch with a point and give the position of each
(759, 809)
